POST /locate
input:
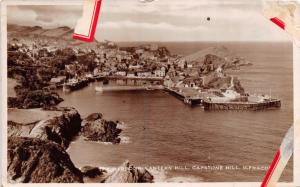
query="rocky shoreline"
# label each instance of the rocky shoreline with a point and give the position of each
(37, 150)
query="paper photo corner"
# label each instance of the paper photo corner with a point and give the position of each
(285, 14)
(86, 26)
(280, 160)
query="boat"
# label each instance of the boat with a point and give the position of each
(149, 88)
(187, 101)
(74, 84)
(99, 89)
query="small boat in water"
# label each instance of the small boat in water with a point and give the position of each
(99, 89)
(149, 88)
(75, 84)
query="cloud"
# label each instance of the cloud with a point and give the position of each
(155, 26)
(47, 16)
(162, 20)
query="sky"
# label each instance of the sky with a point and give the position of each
(161, 20)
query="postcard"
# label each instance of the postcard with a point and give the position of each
(199, 92)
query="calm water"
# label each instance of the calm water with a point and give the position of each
(162, 131)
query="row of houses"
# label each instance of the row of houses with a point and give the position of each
(136, 73)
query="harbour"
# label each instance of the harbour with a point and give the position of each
(226, 105)
(191, 97)
(160, 130)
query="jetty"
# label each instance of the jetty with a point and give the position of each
(209, 105)
(126, 88)
(99, 77)
(213, 106)
(191, 100)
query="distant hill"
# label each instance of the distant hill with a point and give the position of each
(217, 55)
(199, 56)
(61, 36)
(61, 32)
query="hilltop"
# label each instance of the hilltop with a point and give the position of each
(220, 51)
(218, 56)
(60, 36)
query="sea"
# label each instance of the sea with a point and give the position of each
(177, 143)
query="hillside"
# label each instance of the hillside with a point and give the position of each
(219, 51)
(61, 36)
(217, 56)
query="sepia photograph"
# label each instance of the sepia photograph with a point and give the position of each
(169, 91)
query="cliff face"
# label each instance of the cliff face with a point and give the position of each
(31, 160)
(59, 129)
(36, 151)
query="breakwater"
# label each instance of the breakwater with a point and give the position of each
(212, 106)
(273, 103)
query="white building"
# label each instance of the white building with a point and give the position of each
(160, 73)
(131, 74)
(58, 80)
(121, 73)
(96, 71)
(182, 63)
(144, 74)
(135, 66)
(190, 65)
(104, 73)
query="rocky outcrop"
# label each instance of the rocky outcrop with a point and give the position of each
(213, 62)
(129, 174)
(95, 128)
(199, 56)
(31, 160)
(60, 129)
(91, 172)
(218, 53)
(219, 80)
(237, 86)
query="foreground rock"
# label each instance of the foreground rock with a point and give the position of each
(31, 160)
(60, 129)
(129, 174)
(91, 172)
(95, 128)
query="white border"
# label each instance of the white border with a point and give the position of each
(296, 70)
(3, 71)
(3, 97)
